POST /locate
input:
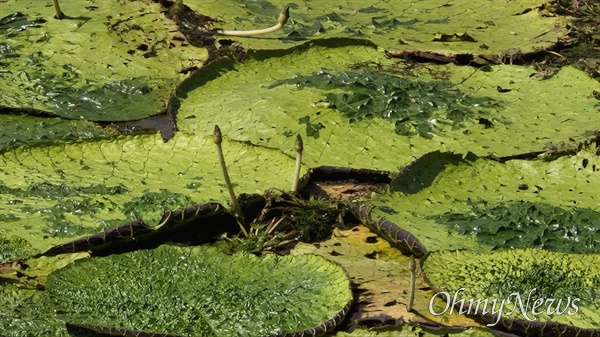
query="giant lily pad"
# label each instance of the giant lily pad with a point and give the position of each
(120, 60)
(56, 192)
(110, 61)
(200, 291)
(425, 25)
(451, 202)
(527, 290)
(22, 309)
(354, 108)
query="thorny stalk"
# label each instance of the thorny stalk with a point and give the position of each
(218, 139)
(299, 149)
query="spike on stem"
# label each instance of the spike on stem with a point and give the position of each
(411, 286)
(299, 149)
(218, 139)
(59, 14)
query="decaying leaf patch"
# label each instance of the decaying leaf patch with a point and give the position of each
(381, 276)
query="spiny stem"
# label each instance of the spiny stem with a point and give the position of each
(59, 14)
(411, 286)
(281, 21)
(299, 149)
(218, 139)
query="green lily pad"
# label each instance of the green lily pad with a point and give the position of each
(23, 309)
(429, 25)
(200, 291)
(528, 285)
(355, 108)
(450, 202)
(76, 188)
(113, 61)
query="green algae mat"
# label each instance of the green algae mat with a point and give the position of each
(493, 168)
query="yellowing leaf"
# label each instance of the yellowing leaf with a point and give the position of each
(381, 275)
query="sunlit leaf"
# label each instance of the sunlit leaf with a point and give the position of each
(56, 192)
(200, 291)
(371, 112)
(111, 61)
(539, 288)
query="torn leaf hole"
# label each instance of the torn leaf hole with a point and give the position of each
(371, 239)
(150, 54)
(485, 122)
(454, 38)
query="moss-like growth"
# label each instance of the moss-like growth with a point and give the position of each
(14, 247)
(414, 106)
(200, 291)
(524, 224)
(525, 284)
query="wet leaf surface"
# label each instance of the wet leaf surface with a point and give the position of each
(369, 129)
(566, 284)
(76, 188)
(117, 61)
(213, 289)
(559, 212)
(506, 155)
(396, 26)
